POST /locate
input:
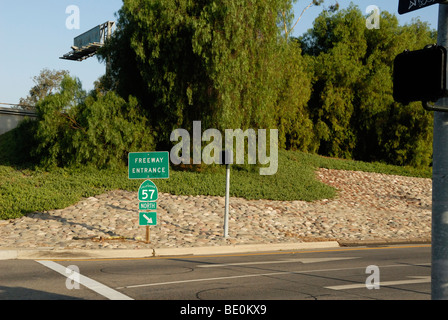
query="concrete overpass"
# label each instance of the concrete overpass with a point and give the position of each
(10, 118)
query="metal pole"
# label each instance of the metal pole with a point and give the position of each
(226, 214)
(439, 248)
(148, 241)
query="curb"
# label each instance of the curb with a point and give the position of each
(55, 254)
(73, 254)
(363, 243)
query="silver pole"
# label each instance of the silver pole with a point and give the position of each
(226, 214)
(439, 248)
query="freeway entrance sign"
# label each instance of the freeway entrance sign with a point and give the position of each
(405, 6)
(148, 219)
(149, 165)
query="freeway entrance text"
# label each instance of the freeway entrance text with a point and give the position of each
(149, 165)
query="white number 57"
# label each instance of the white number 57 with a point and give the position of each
(145, 194)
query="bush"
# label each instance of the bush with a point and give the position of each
(75, 129)
(15, 145)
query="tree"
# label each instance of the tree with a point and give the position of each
(46, 83)
(402, 133)
(352, 107)
(74, 128)
(287, 18)
(221, 62)
(337, 44)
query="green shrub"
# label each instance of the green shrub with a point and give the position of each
(75, 129)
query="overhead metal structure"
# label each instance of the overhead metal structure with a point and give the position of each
(87, 44)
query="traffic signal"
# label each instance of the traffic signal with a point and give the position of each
(420, 75)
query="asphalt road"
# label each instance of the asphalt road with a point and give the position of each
(384, 273)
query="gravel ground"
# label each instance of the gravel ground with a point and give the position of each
(369, 206)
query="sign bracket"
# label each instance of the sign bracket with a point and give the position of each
(430, 107)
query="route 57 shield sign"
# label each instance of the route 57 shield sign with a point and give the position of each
(148, 192)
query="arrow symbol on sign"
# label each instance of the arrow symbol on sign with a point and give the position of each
(148, 219)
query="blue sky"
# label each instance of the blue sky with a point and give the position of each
(33, 35)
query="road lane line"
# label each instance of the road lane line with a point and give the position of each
(424, 279)
(302, 260)
(254, 275)
(91, 284)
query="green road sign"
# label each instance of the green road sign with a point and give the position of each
(147, 206)
(149, 165)
(148, 192)
(148, 219)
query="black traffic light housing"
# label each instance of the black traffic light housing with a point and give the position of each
(421, 75)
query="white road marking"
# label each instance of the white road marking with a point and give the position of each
(303, 260)
(250, 276)
(424, 279)
(91, 284)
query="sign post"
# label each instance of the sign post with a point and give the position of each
(226, 213)
(148, 165)
(439, 243)
(439, 228)
(226, 158)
